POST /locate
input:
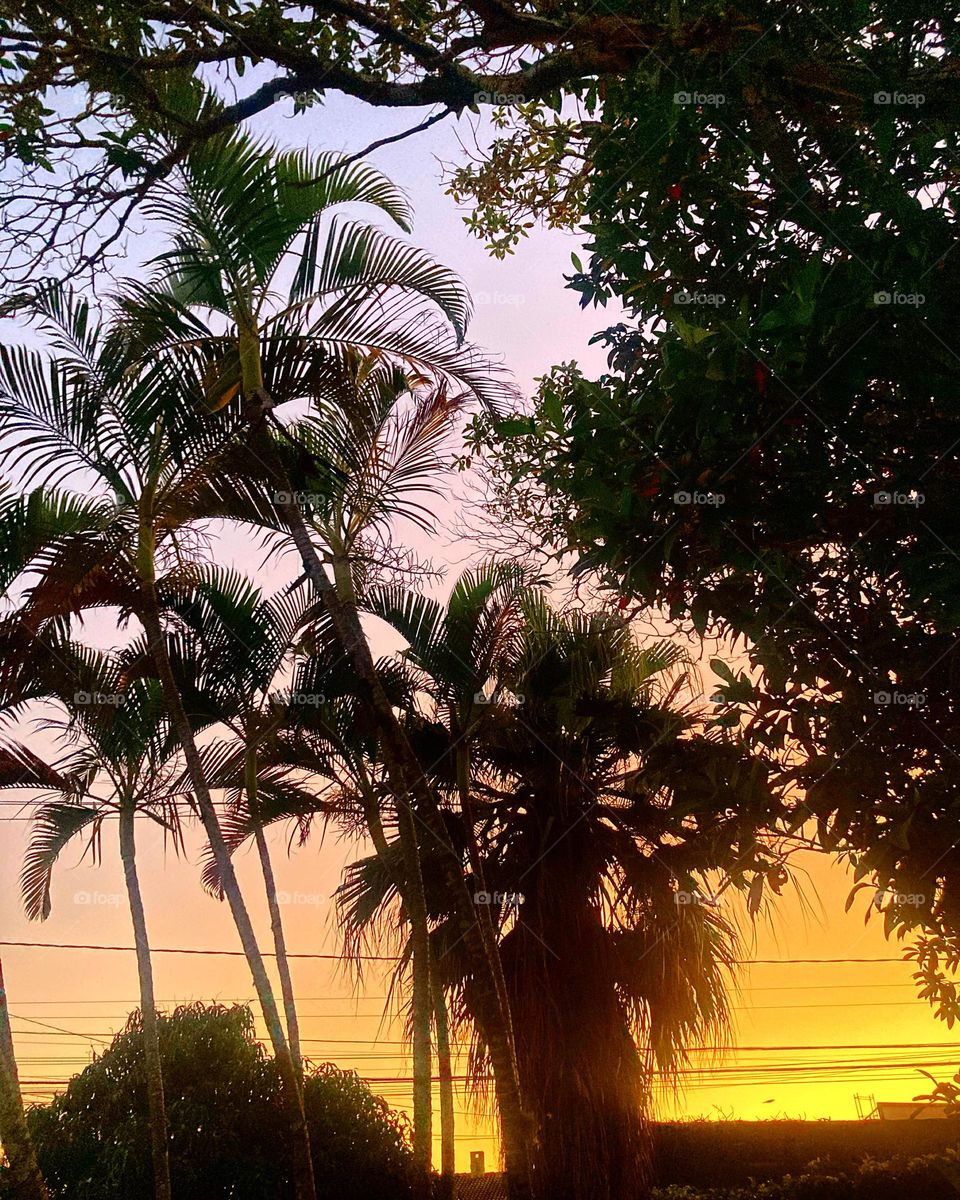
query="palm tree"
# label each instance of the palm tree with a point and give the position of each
(19, 767)
(595, 803)
(123, 765)
(235, 647)
(153, 466)
(229, 650)
(237, 215)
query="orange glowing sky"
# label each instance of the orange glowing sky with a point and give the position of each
(779, 1005)
(524, 314)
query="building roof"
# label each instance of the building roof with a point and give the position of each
(491, 1186)
(911, 1110)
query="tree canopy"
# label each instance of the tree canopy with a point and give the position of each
(225, 1118)
(772, 453)
(85, 88)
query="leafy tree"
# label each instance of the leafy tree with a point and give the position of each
(772, 451)
(84, 90)
(226, 1118)
(594, 815)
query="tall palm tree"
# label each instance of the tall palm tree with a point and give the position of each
(123, 766)
(19, 767)
(596, 802)
(238, 214)
(229, 650)
(152, 466)
(236, 647)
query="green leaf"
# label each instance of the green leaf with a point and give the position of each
(719, 667)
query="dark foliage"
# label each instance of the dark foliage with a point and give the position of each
(227, 1128)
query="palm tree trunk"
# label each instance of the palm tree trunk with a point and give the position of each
(406, 776)
(484, 911)
(415, 903)
(448, 1155)
(26, 1182)
(422, 1000)
(302, 1163)
(276, 921)
(156, 1105)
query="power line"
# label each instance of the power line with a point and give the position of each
(185, 950)
(395, 957)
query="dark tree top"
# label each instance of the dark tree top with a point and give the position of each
(92, 94)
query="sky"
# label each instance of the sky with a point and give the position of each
(808, 1036)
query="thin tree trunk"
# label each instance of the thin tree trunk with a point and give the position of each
(488, 929)
(406, 777)
(26, 1182)
(422, 999)
(276, 921)
(302, 1161)
(415, 903)
(448, 1152)
(159, 1138)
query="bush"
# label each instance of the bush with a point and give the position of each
(226, 1122)
(932, 1177)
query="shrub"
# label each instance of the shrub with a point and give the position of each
(227, 1128)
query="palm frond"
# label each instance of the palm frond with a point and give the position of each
(55, 825)
(362, 261)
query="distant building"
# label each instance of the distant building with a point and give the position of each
(910, 1110)
(490, 1186)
